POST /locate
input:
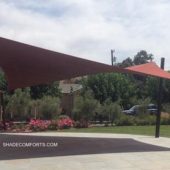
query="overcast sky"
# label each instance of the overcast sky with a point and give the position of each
(90, 28)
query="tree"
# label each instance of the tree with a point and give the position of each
(18, 105)
(113, 85)
(152, 84)
(3, 82)
(110, 110)
(47, 107)
(126, 63)
(142, 57)
(39, 91)
(166, 91)
(85, 106)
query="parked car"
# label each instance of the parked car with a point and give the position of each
(151, 108)
(132, 111)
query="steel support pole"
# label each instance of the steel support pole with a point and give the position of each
(112, 57)
(158, 117)
(3, 109)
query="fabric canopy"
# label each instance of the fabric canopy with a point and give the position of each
(26, 65)
(150, 69)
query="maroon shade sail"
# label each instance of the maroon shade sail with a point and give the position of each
(25, 65)
(150, 69)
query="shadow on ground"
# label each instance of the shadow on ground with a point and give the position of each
(68, 146)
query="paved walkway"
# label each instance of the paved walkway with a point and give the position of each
(146, 160)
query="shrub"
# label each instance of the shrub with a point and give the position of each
(18, 105)
(53, 125)
(39, 125)
(166, 107)
(142, 110)
(8, 124)
(165, 121)
(81, 124)
(147, 120)
(46, 108)
(111, 111)
(125, 120)
(65, 123)
(85, 107)
(63, 117)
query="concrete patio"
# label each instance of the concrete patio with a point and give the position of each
(145, 160)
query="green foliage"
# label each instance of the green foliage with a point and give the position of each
(47, 107)
(110, 110)
(126, 120)
(63, 117)
(166, 107)
(3, 82)
(21, 107)
(85, 106)
(142, 57)
(142, 112)
(81, 124)
(152, 84)
(126, 63)
(166, 91)
(145, 120)
(53, 125)
(138, 130)
(112, 85)
(18, 105)
(165, 121)
(45, 90)
(25, 103)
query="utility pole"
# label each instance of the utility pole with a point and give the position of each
(113, 58)
(158, 117)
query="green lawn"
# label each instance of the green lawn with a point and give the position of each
(138, 130)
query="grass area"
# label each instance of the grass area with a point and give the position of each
(137, 130)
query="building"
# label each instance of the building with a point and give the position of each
(69, 91)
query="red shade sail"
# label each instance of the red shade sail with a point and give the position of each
(150, 69)
(26, 65)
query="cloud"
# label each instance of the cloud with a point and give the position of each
(89, 29)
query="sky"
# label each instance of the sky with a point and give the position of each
(90, 28)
